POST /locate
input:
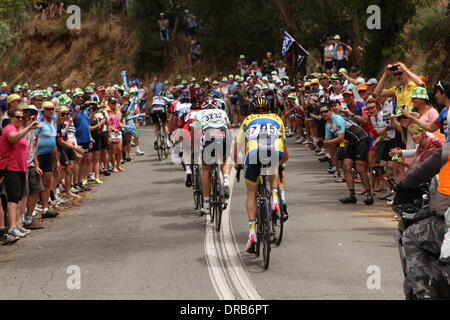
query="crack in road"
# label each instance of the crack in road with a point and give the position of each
(52, 274)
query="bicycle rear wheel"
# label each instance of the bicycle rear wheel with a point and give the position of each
(218, 217)
(158, 149)
(196, 188)
(277, 225)
(213, 195)
(165, 146)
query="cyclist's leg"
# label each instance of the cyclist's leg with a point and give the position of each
(206, 188)
(187, 153)
(251, 175)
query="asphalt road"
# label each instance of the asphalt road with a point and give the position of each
(137, 237)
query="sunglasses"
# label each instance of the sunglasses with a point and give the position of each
(49, 109)
(324, 111)
(370, 108)
(64, 114)
(19, 117)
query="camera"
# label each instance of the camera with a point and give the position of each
(394, 68)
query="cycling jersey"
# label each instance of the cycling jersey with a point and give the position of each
(181, 110)
(211, 118)
(338, 124)
(258, 128)
(160, 104)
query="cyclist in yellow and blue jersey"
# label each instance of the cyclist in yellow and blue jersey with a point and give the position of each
(263, 138)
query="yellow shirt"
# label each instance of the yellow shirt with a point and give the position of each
(256, 125)
(403, 94)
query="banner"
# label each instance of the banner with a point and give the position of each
(287, 42)
(124, 78)
(302, 55)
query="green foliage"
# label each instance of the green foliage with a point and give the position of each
(14, 59)
(431, 26)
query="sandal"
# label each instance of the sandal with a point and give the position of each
(339, 180)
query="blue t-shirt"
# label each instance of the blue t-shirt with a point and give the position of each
(46, 138)
(335, 126)
(442, 122)
(157, 88)
(3, 103)
(82, 127)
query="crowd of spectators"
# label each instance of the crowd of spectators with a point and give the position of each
(54, 143)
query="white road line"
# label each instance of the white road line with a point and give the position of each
(232, 281)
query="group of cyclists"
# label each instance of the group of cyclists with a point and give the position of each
(354, 125)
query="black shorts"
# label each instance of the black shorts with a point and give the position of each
(321, 129)
(85, 146)
(391, 144)
(215, 146)
(158, 115)
(46, 162)
(66, 155)
(97, 145)
(357, 151)
(104, 140)
(15, 185)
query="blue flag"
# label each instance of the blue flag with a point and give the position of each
(124, 78)
(287, 42)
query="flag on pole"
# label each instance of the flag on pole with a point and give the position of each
(287, 42)
(302, 54)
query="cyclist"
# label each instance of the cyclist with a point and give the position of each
(160, 104)
(262, 135)
(220, 102)
(213, 125)
(181, 110)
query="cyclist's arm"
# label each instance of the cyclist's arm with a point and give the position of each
(338, 139)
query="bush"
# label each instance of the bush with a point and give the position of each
(14, 59)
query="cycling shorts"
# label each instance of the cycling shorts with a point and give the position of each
(215, 145)
(357, 151)
(158, 115)
(256, 161)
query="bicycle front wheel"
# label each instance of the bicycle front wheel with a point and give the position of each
(219, 204)
(276, 224)
(165, 146)
(158, 149)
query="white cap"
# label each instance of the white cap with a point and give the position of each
(372, 81)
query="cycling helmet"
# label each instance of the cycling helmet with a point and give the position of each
(209, 103)
(259, 104)
(215, 94)
(184, 98)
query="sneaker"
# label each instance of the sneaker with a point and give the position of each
(34, 225)
(299, 141)
(60, 201)
(8, 239)
(320, 153)
(324, 159)
(349, 199)
(49, 214)
(188, 181)
(390, 202)
(110, 167)
(284, 213)
(206, 211)
(98, 181)
(86, 188)
(74, 190)
(16, 233)
(23, 230)
(91, 177)
(139, 153)
(369, 200)
(331, 170)
(251, 244)
(84, 183)
(35, 212)
(305, 142)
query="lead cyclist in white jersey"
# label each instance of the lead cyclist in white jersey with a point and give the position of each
(213, 124)
(160, 105)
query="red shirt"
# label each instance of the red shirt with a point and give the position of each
(13, 157)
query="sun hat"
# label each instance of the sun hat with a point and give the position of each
(48, 105)
(363, 87)
(30, 107)
(77, 92)
(420, 93)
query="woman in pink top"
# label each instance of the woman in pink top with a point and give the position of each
(115, 135)
(14, 165)
(420, 100)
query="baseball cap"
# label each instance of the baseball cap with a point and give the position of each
(13, 97)
(324, 75)
(274, 73)
(101, 88)
(354, 69)
(420, 93)
(372, 81)
(4, 84)
(343, 70)
(31, 107)
(307, 84)
(337, 37)
(193, 79)
(47, 105)
(314, 81)
(363, 87)
(230, 76)
(348, 92)
(241, 56)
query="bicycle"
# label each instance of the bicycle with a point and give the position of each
(217, 196)
(196, 184)
(162, 148)
(264, 231)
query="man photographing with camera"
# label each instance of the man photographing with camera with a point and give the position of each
(407, 81)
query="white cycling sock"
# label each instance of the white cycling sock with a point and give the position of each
(252, 227)
(188, 169)
(206, 202)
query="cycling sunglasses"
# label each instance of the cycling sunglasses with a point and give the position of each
(324, 111)
(64, 114)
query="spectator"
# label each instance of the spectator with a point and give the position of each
(268, 64)
(407, 82)
(191, 23)
(328, 54)
(4, 92)
(353, 80)
(242, 65)
(34, 174)
(14, 148)
(195, 53)
(163, 23)
(47, 154)
(43, 9)
(156, 86)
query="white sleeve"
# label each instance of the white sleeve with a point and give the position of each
(409, 153)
